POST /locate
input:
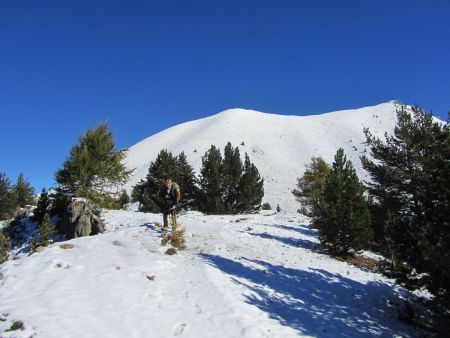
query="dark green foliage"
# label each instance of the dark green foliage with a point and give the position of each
(312, 184)
(266, 206)
(7, 203)
(42, 207)
(341, 216)
(232, 172)
(185, 177)
(46, 230)
(93, 165)
(23, 192)
(5, 244)
(251, 188)
(410, 189)
(211, 192)
(227, 186)
(17, 325)
(124, 199)
(147, 192)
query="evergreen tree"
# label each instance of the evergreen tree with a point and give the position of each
(231, 172)
(93, 165)
(211, 183)
(251, 188)
(410, 189)
(312, 184)
(341, 216)
(46, 230)
(23, 192)
(124, 199)
(5, 245)
(42, 207)
(6, 198)
(147, 192)
(185, 177)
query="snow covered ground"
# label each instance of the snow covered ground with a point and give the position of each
(279, 145)
(260, 275)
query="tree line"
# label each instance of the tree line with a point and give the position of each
(226, 184)
(14, 196)
(402, 211)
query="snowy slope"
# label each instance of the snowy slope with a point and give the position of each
(262, 276)
(279, 145)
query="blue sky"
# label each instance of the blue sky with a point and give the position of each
(144, 66)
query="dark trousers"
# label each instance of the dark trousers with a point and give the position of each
(166, 214)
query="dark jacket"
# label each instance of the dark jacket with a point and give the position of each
(170, 196)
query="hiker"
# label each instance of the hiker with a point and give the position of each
(171, 196)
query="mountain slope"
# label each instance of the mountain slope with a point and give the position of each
(279, 145)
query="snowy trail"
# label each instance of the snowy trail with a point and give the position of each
(257, 275)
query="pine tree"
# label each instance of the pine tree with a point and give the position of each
(93, 165)
(211, 183)
(5, 245)
(46, 230)
(185, 177)
(232, 172)
(147, 192)
(42, 207)
(410, 174)
(312, 184)
(6, 198)
(23, 192)
(342, 217)
(124, 199)
(251, 188)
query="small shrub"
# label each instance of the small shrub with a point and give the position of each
(266, 206)
(176, 237)
(5, 244)
(16, 325)
(46, 230)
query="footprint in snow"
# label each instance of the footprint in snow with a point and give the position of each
(179, 329)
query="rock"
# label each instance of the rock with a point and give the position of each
(171, 251)
(67, 246)
(151, 277)
(117, 243)
(80, 220)
(39, 249)
(23, 212)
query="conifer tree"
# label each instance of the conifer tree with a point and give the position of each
(211, 183)
(232, 172)
(342, 217)
(147, 192)
(42, 207)
(6, 198)
(124, 199)
(23, 192)
(410, 174)
(93, 165)
(46, 230)
(185, 177)
(251, 188)
(312, 184)
(5, 245)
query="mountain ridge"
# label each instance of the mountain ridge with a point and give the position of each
(279, 145)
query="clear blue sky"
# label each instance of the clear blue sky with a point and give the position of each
(146, 65)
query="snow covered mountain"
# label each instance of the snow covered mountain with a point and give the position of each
(279, 145)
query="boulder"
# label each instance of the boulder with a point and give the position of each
(80, 220)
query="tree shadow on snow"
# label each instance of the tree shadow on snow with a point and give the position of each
(298, 242)
(316, 302)
(302, 229)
